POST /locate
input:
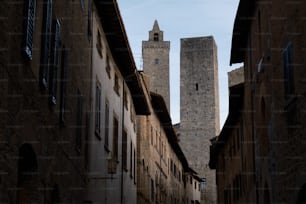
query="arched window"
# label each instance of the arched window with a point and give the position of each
(156, 37)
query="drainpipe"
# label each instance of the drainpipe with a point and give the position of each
(122, 129)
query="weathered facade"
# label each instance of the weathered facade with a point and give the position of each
(232, 152)
(45, 100)
(112, 129)
(269, 38)
(163, 170)
(161, 160)
(155, 55)
(199, 112)
(63, 64)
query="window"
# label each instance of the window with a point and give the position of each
(54, 61)
(288, 71)
(125, 100)
(116, 84)
(79, 127)
(106, 128)
(203, 183)
(98, 110)
(134, 168)
(156, 37)
(29, 26)
(152, 190)
(46, 45)
(108, 67)
(63, 85)
(124, 149)
(156, 61)
(99, 44)
(197, 86)
(115, 138)
(131, 160)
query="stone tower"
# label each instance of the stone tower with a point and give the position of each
(155, 54)
(199, 108)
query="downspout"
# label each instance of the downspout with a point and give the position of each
(122, 129)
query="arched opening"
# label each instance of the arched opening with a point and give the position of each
(301, 199)
(27, 175)
(156, 37)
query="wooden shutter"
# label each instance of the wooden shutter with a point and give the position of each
(29, 25)
(46, 45)
(54, 61)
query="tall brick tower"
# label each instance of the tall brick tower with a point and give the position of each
(155, 54)
(199, 107)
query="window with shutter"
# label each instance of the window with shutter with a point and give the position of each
(46, 45)
(106, 128)
(115, 138)
(54, 61)
(29, 25)
(98, 110)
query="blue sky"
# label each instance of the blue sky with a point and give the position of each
(181, 19)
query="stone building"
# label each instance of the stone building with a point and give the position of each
(163, 170)
(59, 65)
(155, 54)
(45, 91)
(161, 161)
(199, 112)
(269, 38)
(232, 153)
(116, 98)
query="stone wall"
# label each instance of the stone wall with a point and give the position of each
(199, 106)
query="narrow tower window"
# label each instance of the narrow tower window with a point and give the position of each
(155, 37)
(197, 87)
(156, 61)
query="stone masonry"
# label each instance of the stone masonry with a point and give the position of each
(155, 54)
(199, 111)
